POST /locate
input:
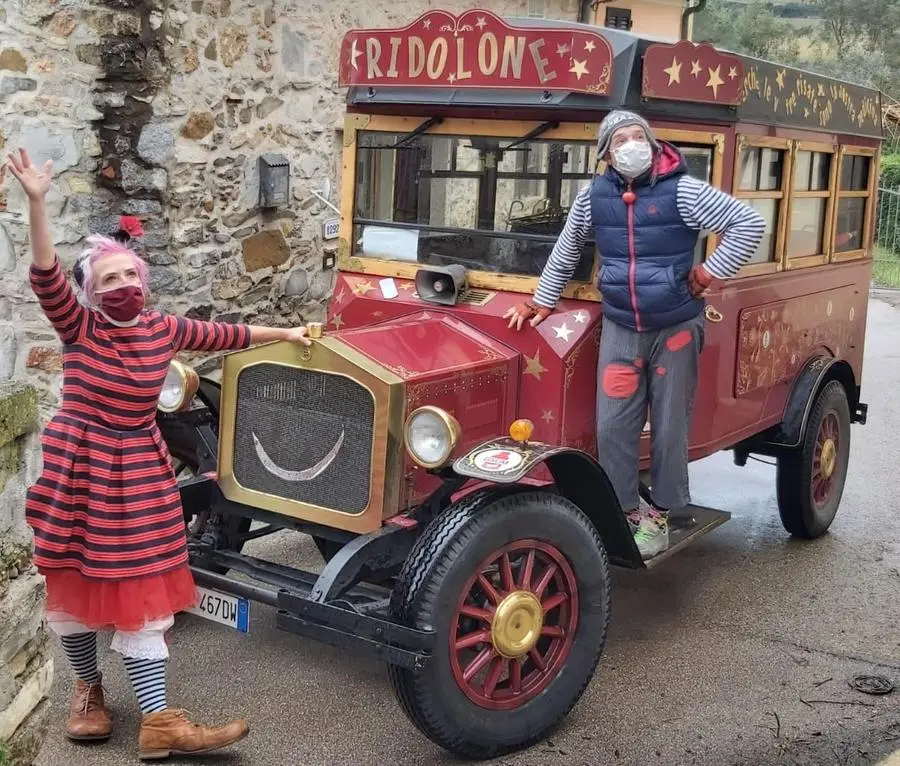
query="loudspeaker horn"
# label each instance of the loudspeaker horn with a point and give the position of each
(441, 284)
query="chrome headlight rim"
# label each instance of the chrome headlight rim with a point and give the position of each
(454, 433)
(188, 381)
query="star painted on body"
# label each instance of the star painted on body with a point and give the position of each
(779, 78)
(563, 332)
(580, 317)
(427, 23)
(340, 295)
(715, 80)
(407, 286)
(361, 288)
(481, 23)
(696, 68)
(674, 71)
(337, 320)
(452, 77)
(732, 73)
(547, 417)
(355, 53)
(579, 68)
(533, 365)
(589, 46)
(562, 49)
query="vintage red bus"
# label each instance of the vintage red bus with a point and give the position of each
(443, 462)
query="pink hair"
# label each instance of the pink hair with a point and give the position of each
(102, 247)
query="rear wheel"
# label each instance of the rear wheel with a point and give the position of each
(810, 479)
(516, 589)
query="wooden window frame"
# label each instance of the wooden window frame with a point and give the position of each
(783, 194)
(456, 126)
(868, 194)
(818, 259)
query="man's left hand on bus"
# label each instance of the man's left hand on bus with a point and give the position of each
(645, 213)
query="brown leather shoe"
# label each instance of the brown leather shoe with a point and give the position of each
(88, 717)
(171, 732)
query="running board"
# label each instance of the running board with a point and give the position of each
(687, 526)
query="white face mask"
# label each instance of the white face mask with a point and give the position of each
(632, 158)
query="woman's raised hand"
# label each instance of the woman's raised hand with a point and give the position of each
(35, 181)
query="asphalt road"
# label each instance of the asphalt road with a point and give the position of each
(737, 651)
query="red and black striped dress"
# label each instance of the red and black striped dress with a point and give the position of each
(106, 513)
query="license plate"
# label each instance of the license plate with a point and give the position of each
(224, 609)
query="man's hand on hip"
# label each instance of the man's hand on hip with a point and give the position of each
(699, 281)
(517, 315)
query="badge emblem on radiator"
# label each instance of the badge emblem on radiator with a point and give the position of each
(307, 474)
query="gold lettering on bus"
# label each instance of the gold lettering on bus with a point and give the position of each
(416, 56)
(461, 74)
(540, 63)
(513, 54)
(395, 50)
(373, 53)
(437, 58)
(488, 54)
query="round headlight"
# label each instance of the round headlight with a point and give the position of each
(431, 436)
(178, 388)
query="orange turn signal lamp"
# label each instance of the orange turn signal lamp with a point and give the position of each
(521, 430)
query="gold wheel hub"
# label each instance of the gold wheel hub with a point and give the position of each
(517, 624)
(829, 458)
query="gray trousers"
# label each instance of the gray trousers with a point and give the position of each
(655, 369)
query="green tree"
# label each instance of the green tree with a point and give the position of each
(749, 28)
(841, 25)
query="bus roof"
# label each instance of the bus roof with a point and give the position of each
(442, 62)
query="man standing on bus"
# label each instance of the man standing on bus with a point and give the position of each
(646, 213)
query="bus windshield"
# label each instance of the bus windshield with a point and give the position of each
(470, 200)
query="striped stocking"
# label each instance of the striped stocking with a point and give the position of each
(148, 678)
(81, 652)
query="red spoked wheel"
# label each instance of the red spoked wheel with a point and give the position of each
(825, 454)
(515, 587)
(810, 478)
(514, 624)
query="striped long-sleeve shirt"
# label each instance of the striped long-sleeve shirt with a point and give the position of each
(702, 208)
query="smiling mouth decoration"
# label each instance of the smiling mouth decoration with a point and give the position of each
(307, 474)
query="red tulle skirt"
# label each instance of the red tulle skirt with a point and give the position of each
(119, 604)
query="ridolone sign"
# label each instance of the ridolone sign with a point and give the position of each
(476, 50)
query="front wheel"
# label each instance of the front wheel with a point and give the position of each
(516, 589)
(810, 479)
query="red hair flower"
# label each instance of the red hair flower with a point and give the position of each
(131, 225)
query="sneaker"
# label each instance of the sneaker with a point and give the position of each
(651, 532)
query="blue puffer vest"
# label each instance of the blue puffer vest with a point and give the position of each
(647, 252)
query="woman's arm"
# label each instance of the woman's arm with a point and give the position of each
(53, 291)
(196, 335)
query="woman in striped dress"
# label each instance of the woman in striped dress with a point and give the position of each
(108, 525)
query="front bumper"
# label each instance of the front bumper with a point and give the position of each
(359, 622)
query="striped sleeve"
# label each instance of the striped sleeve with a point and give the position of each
(566, 252)
(195, 335)
(703, 207)
(57, 299)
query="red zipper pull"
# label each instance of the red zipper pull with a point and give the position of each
(629, 196)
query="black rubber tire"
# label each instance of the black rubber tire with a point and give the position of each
(794, 472)
(432, 578)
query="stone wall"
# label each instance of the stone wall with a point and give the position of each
(26, 666)
(161, 110)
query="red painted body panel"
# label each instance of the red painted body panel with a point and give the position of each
(465, 359)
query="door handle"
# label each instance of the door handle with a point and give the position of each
(712, 314)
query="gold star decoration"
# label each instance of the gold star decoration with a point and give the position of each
(579, 68)
(361, 288)
(547, 417)
(427, 23)
(562, 50)
(732, 73)
(696, 68)
(337, 320)
(452, 78)
(339, 296)
(580, 317)
(563, 332)
(533, 365)
(407, 286)
(779, 78)
(481, 23)
(674, 71)
(715, 80)
(589, 46)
